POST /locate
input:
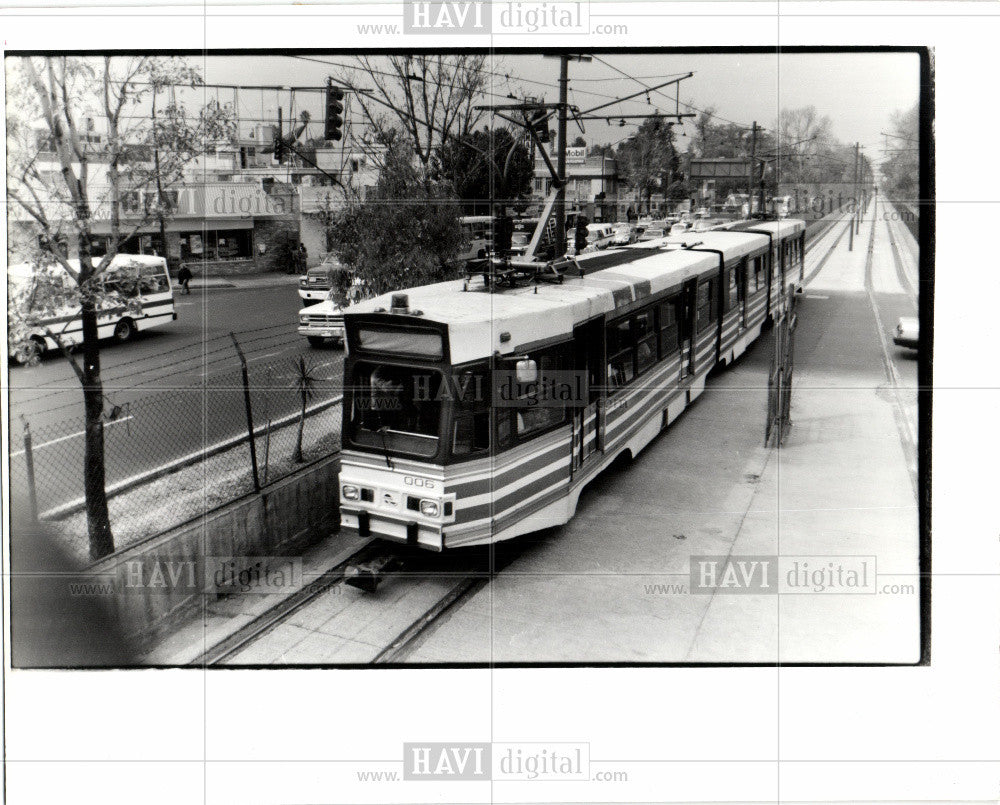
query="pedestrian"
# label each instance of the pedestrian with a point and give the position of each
(184, 277)
(300, 255)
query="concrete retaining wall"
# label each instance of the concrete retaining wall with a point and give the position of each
(167, 579)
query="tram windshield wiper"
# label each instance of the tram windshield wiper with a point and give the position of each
(385, 447)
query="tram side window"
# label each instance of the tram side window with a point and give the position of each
(735, 295)
(621, 368)
(644, 335)
(708, 305)
(670, 333)
(534, 412)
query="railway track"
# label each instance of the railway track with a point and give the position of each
(453, 579)
(906, 424)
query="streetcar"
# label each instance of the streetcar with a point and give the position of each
(477, 410)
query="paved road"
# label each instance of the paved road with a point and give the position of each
(178, 388)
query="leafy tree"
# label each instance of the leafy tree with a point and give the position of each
(52, 103)
(648, 160)
(405, 233)
(579, 142)
(487, 164)
(901, 167)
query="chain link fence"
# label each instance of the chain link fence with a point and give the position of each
(175, 455)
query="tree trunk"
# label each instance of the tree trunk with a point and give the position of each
(159, 186)
(98, 522)
(302, 423)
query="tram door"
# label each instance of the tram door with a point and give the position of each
(688, 334)
(741, 290)
(588, 412)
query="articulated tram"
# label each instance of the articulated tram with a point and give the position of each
(476, 411)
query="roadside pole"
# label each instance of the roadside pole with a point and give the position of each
(560, 208)
(249, 410)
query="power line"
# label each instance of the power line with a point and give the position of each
(677, 99)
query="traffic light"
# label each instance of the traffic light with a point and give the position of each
(334, 109)
(540, 123)
(503, 233)
(580, 234)
(279, 148)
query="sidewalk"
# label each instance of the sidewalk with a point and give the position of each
(242, 283)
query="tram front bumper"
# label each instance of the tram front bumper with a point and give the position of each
(367, 523)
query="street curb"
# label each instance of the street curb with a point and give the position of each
(185, 461)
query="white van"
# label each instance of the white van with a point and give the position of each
(600, 236)
(477, 236)
(138, 296)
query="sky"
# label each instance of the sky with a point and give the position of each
(858, 91)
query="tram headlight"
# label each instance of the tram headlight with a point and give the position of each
(429, 508)
(350, 492)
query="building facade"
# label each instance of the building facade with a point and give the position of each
(591, 183)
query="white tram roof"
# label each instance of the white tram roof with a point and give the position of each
(733, 244)
(783, 228)
(536, 313)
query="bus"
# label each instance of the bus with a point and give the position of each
(476, 411)
(137, 295)
(477, 236)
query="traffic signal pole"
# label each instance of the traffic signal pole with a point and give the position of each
(560, 206)
(857, 186)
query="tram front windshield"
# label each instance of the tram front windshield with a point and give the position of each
(396, 409)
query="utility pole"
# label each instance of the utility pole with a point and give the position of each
(561, 157)
(560, 205)
(857, 186)
(853, 221)
(753, 169)
(761, 207)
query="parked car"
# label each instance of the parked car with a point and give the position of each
(907, 333)
(322, 322)
(318, 281)
(653, 233)
(623, 234)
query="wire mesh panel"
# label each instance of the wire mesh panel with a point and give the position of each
(173, 456)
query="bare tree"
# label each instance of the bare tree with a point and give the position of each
(50, 125)
(805, 143)
(431, 98)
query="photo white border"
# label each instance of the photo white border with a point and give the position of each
(684, 735)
